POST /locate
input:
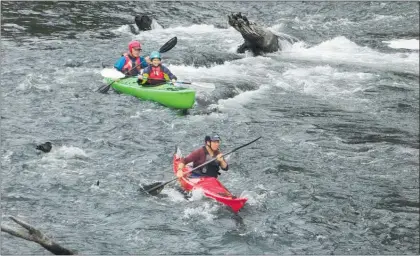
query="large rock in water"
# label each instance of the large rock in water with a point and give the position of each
(143, 22)
(258, 39)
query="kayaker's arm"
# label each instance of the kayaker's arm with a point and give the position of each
(144, 76)
(223, 164)
(168, 74)
(192, 157)
(119, 64)
(145, 61)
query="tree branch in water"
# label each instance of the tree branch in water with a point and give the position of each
(36, 236)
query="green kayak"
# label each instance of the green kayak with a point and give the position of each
(166, 94)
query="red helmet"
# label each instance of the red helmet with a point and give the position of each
(134, 44)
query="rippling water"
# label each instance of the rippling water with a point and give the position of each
(337, 170)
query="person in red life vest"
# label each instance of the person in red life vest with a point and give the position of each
(203, 154)
(131, 63)
(156, 73)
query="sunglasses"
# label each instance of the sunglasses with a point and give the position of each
(137, 49)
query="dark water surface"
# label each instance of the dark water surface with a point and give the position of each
(337, 169)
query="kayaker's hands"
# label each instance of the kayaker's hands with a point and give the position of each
(147, 58)
(173, 81)
(220, 158)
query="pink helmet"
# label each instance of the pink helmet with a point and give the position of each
(134, 44)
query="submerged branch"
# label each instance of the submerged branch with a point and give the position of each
(36, 236)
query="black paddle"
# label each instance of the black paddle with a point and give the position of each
(156, 187)
(166, 47)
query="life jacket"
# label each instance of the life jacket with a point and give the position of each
(210, 169)
(129, 65)
(156, 73)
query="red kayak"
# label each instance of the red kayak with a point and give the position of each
(210, 186)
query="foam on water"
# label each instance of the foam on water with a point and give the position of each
(12, 26)
(65, 152)
(229, 70)
(412, 44)
(205, 210)
(233, 71)
(7, 156)
(32, 80)
(173, 195)
(201, 34)
(196, 195)
(241, 99)
(28, 12)
(123, 29)
(326, 80)
(50, 13)
(156, 25)
(256, 198)
(380, 17)
(340, 50)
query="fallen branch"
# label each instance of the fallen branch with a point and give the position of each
(36, 236)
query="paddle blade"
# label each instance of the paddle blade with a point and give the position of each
(153, 189)
(104, 88)
(168, 45)
(112, 73)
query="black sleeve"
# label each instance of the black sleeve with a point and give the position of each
(225, 169)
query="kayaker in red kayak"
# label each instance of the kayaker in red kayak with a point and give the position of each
(156, 73)
(202, 155)
(132, 58)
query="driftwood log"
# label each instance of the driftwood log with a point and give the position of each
(36, 236)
